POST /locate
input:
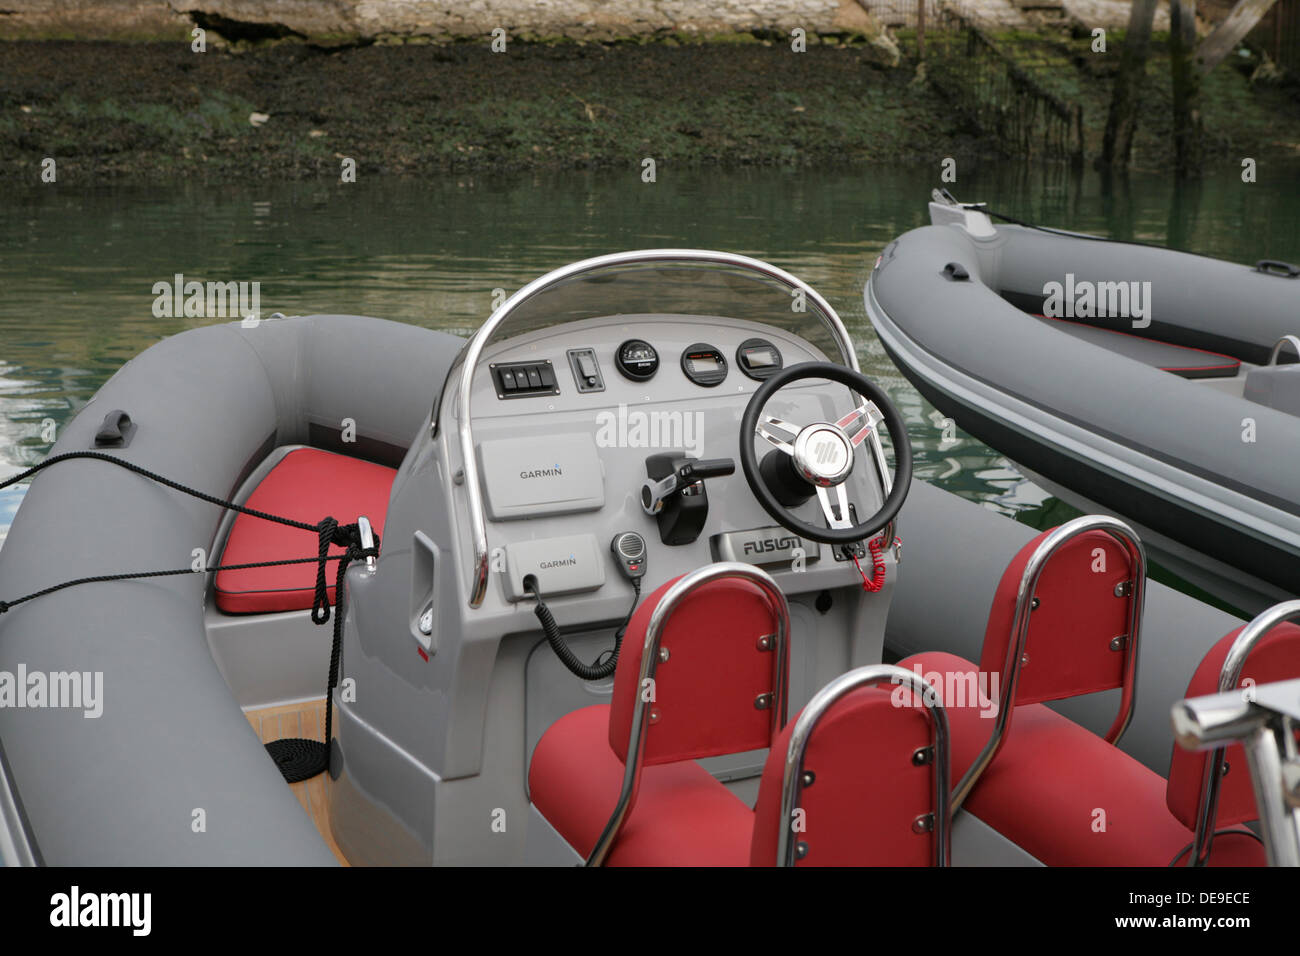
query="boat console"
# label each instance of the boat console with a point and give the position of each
(613, 426)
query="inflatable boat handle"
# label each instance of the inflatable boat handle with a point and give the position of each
(116, 431)
(1276, 267)
(469, 360)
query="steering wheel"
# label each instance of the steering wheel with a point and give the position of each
(818, 458)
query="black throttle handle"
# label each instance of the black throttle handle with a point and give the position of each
(706, 468)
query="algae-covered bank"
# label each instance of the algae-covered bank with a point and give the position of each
(89, 112)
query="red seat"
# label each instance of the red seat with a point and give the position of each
(867, 791)
(1065, 795)
(712, 685)
(719, 650)
(1275, 657)
(307, 484)
(682, 815)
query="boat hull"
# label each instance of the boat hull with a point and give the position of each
(1195, 465)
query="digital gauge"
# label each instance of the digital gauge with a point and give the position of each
(637, 360)
(704, 365)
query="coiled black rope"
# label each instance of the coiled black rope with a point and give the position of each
(297, 758)
(599, 670)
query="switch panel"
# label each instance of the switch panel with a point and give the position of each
(524, 379)
(586, 372)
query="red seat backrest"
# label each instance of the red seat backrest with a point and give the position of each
(705, 692)
(866, 791)
(1068, 651)
(1275, 657)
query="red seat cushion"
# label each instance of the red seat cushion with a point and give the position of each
(307, 484)
(682, 815)
(1062, 793)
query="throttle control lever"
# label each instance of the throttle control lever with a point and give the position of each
(655, 492)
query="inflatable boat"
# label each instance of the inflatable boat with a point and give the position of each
(1155, 385)
(614, 581)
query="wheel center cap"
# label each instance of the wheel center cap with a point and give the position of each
(823, 454)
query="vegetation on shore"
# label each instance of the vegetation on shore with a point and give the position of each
(287, 110)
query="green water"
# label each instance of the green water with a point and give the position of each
(77, 268)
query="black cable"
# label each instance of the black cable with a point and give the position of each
(297, 757)
(153, 476)
(587, 672)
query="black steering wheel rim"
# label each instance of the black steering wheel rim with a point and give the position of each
(893, 422)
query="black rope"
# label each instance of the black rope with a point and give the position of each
(297, 758)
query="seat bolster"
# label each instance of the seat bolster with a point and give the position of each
(682, 816)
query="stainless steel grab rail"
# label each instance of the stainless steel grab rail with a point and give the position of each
(685, 585)
(1020, 635)
(817, 708)
(1266, 728)
(1229, 677)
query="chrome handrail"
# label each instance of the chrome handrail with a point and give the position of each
(1285, 340)
(1266, 728)
(1015, 652)
(468, 359)
(1229, 676)
(673, 597)
(811, 715)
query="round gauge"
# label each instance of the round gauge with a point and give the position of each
(758, 358)
(637, 360)
(704, 365)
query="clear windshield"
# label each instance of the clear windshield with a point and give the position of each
(678, 288)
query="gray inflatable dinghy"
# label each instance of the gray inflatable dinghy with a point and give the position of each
(1128, 379)
(658, 432)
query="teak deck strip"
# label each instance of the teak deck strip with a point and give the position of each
(305, 719)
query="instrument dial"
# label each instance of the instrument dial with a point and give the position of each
(637, 360)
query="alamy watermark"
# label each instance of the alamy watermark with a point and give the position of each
(954, 689)
(181, 298)
(1084, 299)
(71, 690)
(632, 428)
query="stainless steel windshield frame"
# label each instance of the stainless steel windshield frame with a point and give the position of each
(468, 360)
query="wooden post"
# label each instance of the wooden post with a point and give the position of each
(1122, 119)
(1240, 21)
(920, 29)
(1277, 33)
(1186, 83)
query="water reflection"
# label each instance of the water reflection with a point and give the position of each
(78, 266)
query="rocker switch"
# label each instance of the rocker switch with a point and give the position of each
(586, 371)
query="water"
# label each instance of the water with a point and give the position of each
(77, 267)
